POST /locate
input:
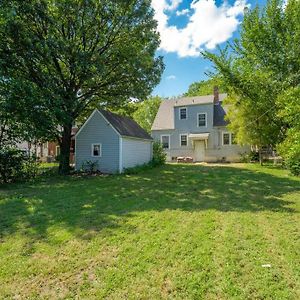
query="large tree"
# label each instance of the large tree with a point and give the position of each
(259, 68)
(72, 55)
(146, 112)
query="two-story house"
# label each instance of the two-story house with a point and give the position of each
(195, 127)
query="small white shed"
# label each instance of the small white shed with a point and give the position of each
(112, 141)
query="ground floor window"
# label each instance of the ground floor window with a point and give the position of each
(165, 141)
(96, 150)
(228, 138)
(183, 140)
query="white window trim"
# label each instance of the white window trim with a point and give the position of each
(92, 150)
(226, 132)
(56, 152)
(187, 139)
(186, 113)
(168, 135)
(202, 113)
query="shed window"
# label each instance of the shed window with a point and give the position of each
(183, 140)
(165, 141)
(183, 113)
(96, 150)
(202, 120)
(226, 138)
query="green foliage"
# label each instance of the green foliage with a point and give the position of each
(90, 166)
(260, 71)
(146, 112)
(253, 156)
(205, 87)
(72, 56)
(159, 155)
(15, 165)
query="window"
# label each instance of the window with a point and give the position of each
(226, 138)
(183, 140)
(96, 150)
(233, 141)
(202, 120)
(57, 150)
(183, 113)
(165, 141)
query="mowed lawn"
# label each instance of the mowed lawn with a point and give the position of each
(175, 232)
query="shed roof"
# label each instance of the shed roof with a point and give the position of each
(125, 126)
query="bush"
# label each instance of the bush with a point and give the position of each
(16, 165)
(253, 156)
(159, 155)
(289, 149)
(90, 166)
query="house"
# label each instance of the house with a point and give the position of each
(195, 127)
(47, 151)
(114, 142)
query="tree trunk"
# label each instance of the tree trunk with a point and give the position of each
(260, 156)
(65, 145)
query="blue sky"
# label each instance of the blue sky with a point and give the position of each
(187, 27)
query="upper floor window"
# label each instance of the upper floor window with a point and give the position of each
(96, 150)
(165, 141)
(183, 140)
(182, 113)
(202, 120)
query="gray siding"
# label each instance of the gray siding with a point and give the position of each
(215, 150)
(97, 130)
(135, 152)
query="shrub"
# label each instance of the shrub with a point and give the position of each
(16, 165)
(253, 156)
(90, 166)
(159, 155)
(290, 151)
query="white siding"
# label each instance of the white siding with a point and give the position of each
(135, 152)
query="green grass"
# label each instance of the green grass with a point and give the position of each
(176, 232)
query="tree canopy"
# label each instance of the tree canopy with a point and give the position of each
(204, 87)
(70, 56)
(261, 72)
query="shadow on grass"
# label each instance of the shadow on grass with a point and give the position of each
(88, 205)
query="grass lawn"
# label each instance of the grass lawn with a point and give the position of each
(176, 232)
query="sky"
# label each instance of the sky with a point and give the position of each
(186, 28)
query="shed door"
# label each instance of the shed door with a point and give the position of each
(199, 150)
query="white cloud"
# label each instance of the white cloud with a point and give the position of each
(208, 25)
(171, 77)
(182, 12)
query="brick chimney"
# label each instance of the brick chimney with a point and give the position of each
(216, 95)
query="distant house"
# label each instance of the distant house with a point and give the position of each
(47, 151)
(114, 142)
(195, 127)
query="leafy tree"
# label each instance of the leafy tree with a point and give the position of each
(258, 69)
(146, 112)
(72, 55)
(204, 87)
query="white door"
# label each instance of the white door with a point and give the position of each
(199, 150)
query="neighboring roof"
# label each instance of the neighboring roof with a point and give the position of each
(164, 119)
(219, 115)
(125, 126)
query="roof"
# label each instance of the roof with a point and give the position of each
(164, 119)
(219, 115)
(125, 126)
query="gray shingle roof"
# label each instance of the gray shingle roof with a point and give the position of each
(125, 126)
(164, 119)
(219, 115)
